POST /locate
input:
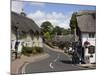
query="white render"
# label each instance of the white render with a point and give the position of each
(13, 36)
(36, 42)
(20, 46)
(13, 40)
(91, 59)
(13, 45)
(85, 37)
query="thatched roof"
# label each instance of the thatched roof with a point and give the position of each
(23, 23)
(86, 12)
(87, 21)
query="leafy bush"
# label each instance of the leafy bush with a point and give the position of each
(54, 43)
(61, 45)
(31, 50)
(38, 49)
(27, 50)
(47, 35)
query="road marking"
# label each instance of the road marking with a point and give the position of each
(51, 65)
(56, 58)
(23, 68)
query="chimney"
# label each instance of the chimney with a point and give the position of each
(23, 13)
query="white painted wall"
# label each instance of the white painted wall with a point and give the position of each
(28, 38)
(13, 37)
(20, 46)
(85, 37)
(13, 40)
(91, 59)
(13, 45)
(38, 42)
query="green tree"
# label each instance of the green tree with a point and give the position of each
(47, 27)
(47, 35)
(57, 30)
(66, 31)
(73, 22)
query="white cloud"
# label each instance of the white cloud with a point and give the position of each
(37, 3)
(57, 19)
(17, 6)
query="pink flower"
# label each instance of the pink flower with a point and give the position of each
(86, 43)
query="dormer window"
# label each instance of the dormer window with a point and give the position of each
(91, 35)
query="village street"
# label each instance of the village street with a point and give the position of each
(57, 61)
(52, 40)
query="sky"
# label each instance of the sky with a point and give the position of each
(57, 14)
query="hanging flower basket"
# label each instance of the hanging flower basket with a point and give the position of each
(86, 44)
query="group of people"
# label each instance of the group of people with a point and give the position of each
(75, 51)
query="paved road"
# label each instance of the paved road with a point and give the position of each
(57, 61)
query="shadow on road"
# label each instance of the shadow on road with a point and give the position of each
(66, 61)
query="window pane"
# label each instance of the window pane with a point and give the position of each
(91, 35)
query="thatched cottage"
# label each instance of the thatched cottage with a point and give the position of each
(24, 31)
(86, 33)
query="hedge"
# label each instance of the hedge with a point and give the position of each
(31, 50)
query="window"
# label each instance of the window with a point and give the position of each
(91, 35)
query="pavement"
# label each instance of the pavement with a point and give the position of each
(18, 63)
(90, 66)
